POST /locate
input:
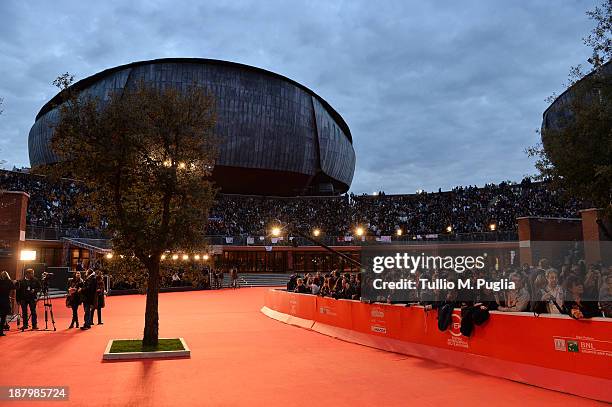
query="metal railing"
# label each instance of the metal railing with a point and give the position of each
(47, 233)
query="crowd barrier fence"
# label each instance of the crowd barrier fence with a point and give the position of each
(549, 351)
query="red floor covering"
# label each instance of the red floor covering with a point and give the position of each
(240, 357)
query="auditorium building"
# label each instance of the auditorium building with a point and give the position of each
(278, 137)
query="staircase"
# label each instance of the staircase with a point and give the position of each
(259, 280)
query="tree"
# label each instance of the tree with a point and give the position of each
(145, 156)
(576, 152)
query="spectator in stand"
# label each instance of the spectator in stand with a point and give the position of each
(552, 294)
(312, 286)
(605, 295)
(301, 287)
(574, 305)
(325, 288)
(517, 299)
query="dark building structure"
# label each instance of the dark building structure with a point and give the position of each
(559, 111)
(277, 136)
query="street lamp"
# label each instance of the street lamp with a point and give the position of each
(205, 257)
(185, 257)
(276, 231)
(109, 256)
(359, 231)
(492, 227)
(449, 229)
(174, 256)
(316, 232)
(399, 232)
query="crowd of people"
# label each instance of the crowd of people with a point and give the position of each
(335, 285)
(577, 290)
(51, 204)
(464, 209)
(90, 292)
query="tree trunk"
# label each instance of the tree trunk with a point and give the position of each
(151, 329)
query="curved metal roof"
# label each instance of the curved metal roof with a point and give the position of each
(90, 80)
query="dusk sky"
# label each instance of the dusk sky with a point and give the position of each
(436, 94)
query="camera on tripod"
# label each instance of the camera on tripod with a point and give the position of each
(44, 283)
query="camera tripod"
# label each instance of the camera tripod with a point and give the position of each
(48, 308)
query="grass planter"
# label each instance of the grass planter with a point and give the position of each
(118, 349)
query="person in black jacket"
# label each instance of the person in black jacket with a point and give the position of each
(75, 287)
(27, 296)
(574, 305)
(301, 287)
(6, 286)
(89, 298)
(100, 295)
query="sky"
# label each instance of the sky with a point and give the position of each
(436, 93)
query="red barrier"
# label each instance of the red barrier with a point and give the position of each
(551, 351)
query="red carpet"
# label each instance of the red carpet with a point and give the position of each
(240, 357)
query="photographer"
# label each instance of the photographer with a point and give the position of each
(27, 294)
(73, 300)
(6, 286)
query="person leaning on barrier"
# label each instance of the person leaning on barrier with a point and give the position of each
(27, 293)
(325, 290)
(516, 300)
(605, 295)
(575, 305)
(73, 300)
(301, 287)
(552, 294)
(6, 286)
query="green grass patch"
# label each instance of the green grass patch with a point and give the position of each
(135, 345)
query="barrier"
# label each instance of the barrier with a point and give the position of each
(549, 351)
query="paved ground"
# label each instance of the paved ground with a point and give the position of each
(241, 357)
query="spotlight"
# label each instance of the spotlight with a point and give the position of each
(185, 257)
(197, 257)
(492, 227)
(316, 232)
(27, 255)
(167, 163)
(205, 257)
(276, 231)
(399, 232)
(359, 231)
(109, 256)
(449, 229)
(163, 257)
(174, 256)
(181, 166)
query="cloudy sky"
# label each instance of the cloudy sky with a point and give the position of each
(436, 93)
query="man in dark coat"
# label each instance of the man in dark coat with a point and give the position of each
(27, 296)
(89, 293)
(6, 286)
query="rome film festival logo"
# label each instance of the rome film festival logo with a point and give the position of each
(377, 321)
(456, 339)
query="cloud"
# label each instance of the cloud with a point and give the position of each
(437, 94)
